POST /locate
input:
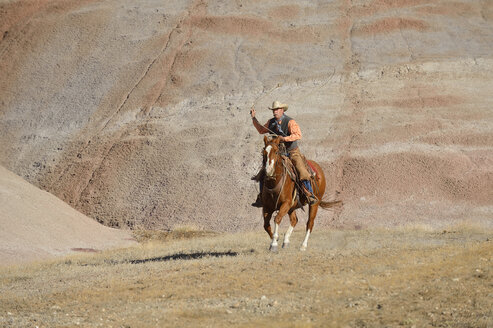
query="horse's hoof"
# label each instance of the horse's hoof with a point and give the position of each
(273, 248)
(285, 245)
(303, 248)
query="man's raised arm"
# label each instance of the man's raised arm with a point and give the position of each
(260, 128)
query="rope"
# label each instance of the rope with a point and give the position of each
(282, 186)
(265, 94)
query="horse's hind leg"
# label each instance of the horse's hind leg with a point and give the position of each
(267, 216)
(312, 212)
(293, 220)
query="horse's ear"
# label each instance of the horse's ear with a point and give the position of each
(266, 140)
(277, 140)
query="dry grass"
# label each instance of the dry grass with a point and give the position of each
(180, 232)
(410, 277)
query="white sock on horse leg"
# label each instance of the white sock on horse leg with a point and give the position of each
(305, 241)
(275, 237)
(288, 234)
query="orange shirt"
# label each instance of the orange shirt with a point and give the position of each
(293, 128)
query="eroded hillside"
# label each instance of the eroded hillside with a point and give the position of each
(137, 115)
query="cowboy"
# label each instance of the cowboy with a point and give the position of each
(289, 133)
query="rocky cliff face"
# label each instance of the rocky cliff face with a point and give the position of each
(137, 114)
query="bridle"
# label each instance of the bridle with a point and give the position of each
(277, 157)
(280, 184)
(285, 172)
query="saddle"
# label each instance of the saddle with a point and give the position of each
(299, 192)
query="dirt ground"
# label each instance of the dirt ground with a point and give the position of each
(412, 277)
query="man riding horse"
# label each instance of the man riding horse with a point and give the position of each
(288, 131)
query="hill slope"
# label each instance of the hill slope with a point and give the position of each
(137, 114)
(37, 225)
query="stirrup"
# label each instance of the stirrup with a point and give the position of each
(311, 198)
(258, 202)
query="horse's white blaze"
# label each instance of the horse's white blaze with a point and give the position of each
(305, 241)
(270, 163)
(288, 234)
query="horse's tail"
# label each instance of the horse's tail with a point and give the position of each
(326, 205)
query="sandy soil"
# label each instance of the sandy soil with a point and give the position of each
(36, 225)
(136, 114)
(373, 278)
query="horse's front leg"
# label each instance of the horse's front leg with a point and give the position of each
(293, 220)
(283, 210)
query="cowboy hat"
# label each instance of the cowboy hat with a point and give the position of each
(277, 104)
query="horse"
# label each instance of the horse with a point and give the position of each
(279, 194)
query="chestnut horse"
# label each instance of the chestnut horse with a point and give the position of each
(279, 194)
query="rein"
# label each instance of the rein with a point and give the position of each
(280, 184)
(286, 171)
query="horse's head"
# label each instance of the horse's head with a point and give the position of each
(270, 155)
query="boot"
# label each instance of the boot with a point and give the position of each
(258, 202)
(312, 199)
(259, 176)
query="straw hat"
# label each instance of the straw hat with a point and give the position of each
(277, 104)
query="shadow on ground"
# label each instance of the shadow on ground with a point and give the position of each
(183, 256)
